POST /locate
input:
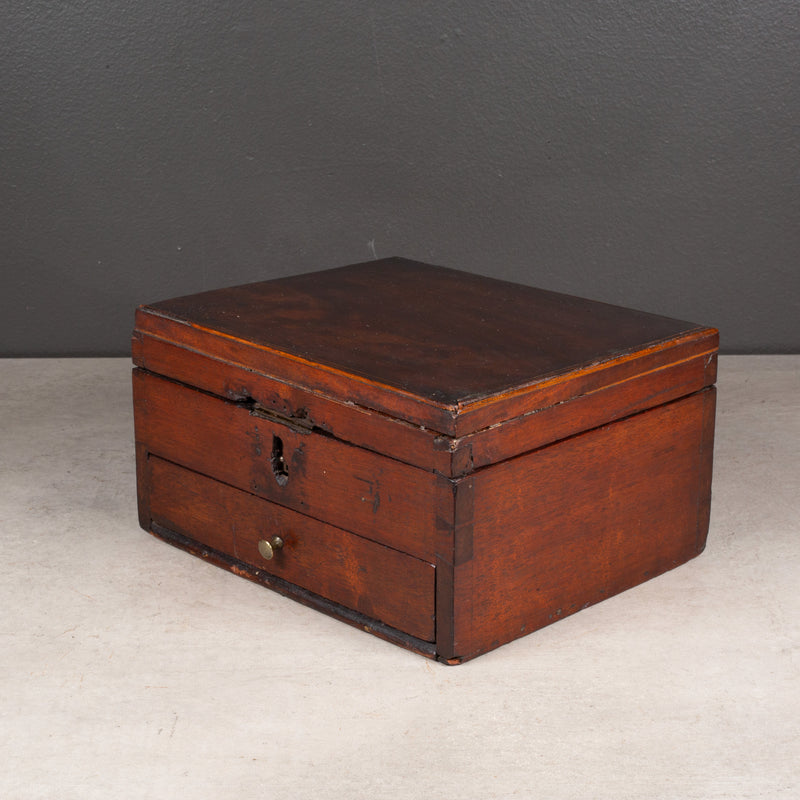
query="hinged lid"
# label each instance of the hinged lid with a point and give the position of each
(439, 348)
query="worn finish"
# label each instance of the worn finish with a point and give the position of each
(337, 565)
(426, 331)
(385, 334)
(327, 479)
(565, 458)
(583, 519)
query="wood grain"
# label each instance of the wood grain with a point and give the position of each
(328, 561)
(349, 487)
(449, 458)
(573, 523)
(438, 348)
(343, 419)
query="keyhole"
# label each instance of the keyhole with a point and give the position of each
(279, 468)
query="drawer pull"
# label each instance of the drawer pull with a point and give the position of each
(267, 547)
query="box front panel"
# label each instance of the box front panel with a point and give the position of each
(317, 475)
(374, 580)
(570, 524)
(344, 419)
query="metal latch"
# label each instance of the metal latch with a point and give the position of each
(299, 423)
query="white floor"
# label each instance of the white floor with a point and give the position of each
(129, 669)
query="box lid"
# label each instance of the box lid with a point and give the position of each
(440, 348)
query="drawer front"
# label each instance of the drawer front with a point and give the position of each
(317, 475)
(375, 580)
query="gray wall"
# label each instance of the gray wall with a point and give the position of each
(642, 153)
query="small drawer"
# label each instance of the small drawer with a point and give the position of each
(312, 473)
(375, 580)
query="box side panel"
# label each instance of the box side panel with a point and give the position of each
(590, 410)
(575, 522)
(705, 458)
(633, 367)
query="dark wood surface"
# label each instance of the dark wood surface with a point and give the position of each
(328, 561)
(346, 421)
(589, 410)
(347, 486)
(510, 548)
(441, 334)
(466, 516)
(583, 519)
(423, 343)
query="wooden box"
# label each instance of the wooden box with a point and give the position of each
(445, 460)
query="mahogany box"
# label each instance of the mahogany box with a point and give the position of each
(446, 460)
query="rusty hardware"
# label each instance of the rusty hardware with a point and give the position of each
(298, 423)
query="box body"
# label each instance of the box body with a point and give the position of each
(449, 461)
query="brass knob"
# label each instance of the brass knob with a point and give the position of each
(267, 547)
